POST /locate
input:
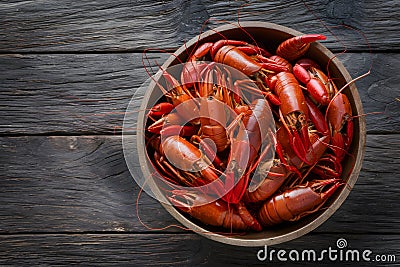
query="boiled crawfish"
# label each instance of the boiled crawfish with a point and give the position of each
(339, 115)
(294, 113)
(245, 148)
(183, 159)
(215, 213)
(297, 202)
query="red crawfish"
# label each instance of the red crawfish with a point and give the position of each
(327, 164)
(213, 122)
(215, 213)
(324, 164)
(294, 113)
(288, 157)
(217, 81)
(339, 115)
(296, 47)
(179, 112)
(320, 87)
(194, 66)
(245, 147)
(243, 46)
(181, 98)
(171, 124)
(250, 59)
(297, 202)
(187, 108)
(185, 160)
(214, 80)
(319, 137)
(233, 57)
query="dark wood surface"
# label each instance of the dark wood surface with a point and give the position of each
(68, 71)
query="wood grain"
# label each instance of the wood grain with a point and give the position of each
(68, 93)
(88, 94)
(184, 250)
(68, 71)
(36, 26)
(81, 184)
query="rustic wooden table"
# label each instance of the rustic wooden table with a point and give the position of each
(68, 70)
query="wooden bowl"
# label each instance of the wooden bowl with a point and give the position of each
(270, 35)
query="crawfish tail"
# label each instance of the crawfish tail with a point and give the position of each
(339, 111)
(213, 122)
(249, 220)
(274, 180)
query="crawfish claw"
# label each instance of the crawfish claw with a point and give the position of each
(296, 47)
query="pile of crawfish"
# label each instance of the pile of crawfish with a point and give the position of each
(314, 131)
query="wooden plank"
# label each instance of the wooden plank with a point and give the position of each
(189, 250)
(88, 94)
(81, 184)
(123, 25)
(68, 93)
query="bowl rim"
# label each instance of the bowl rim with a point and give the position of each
(325, 215)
